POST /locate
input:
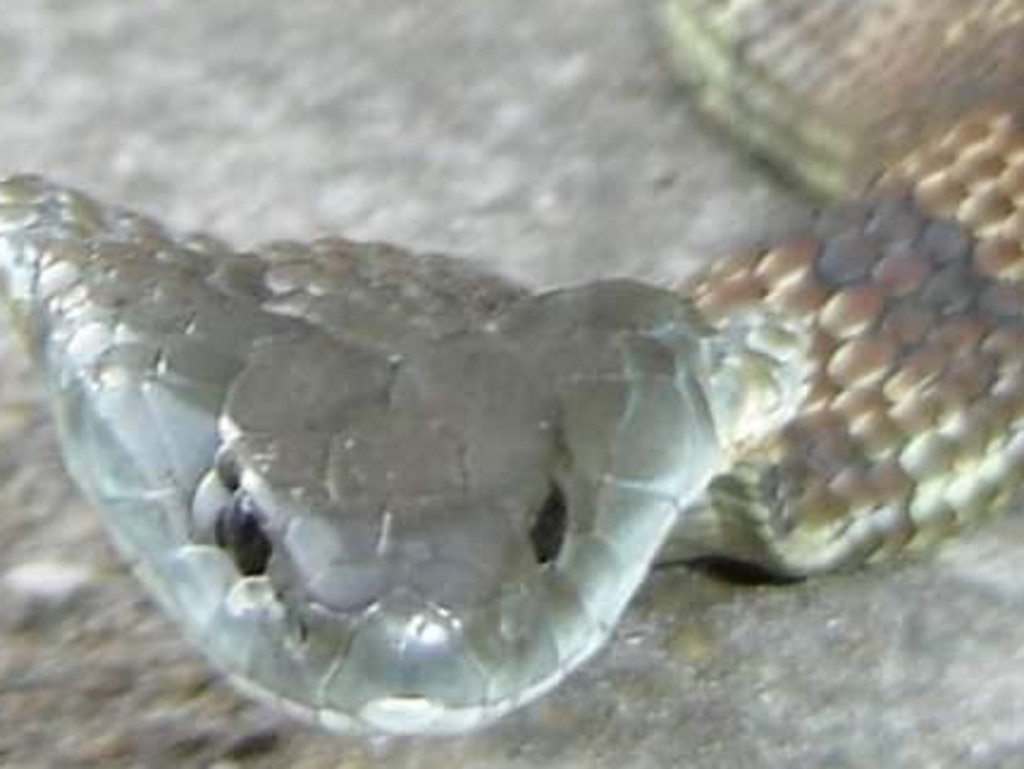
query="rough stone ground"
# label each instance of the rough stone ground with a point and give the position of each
(548, 139)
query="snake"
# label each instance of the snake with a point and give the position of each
(390, 492)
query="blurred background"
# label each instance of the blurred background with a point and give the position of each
(549, 141)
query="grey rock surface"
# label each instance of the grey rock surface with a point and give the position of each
(549, 140)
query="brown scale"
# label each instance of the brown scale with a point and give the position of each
(824, 88)
(916, 306)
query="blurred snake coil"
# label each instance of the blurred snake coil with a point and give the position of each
(390, 492)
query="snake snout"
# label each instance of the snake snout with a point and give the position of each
(413, 664)
(409, 667)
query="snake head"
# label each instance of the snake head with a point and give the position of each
(424, 541)
(380, 524)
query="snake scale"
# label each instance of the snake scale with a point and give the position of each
(390, 492)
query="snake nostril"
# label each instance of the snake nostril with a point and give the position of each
(547, 534)
(227, 470)
(240, 532)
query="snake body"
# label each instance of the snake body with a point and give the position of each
(393, 493)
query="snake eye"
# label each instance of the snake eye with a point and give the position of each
(240, 531)
(547, 534)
